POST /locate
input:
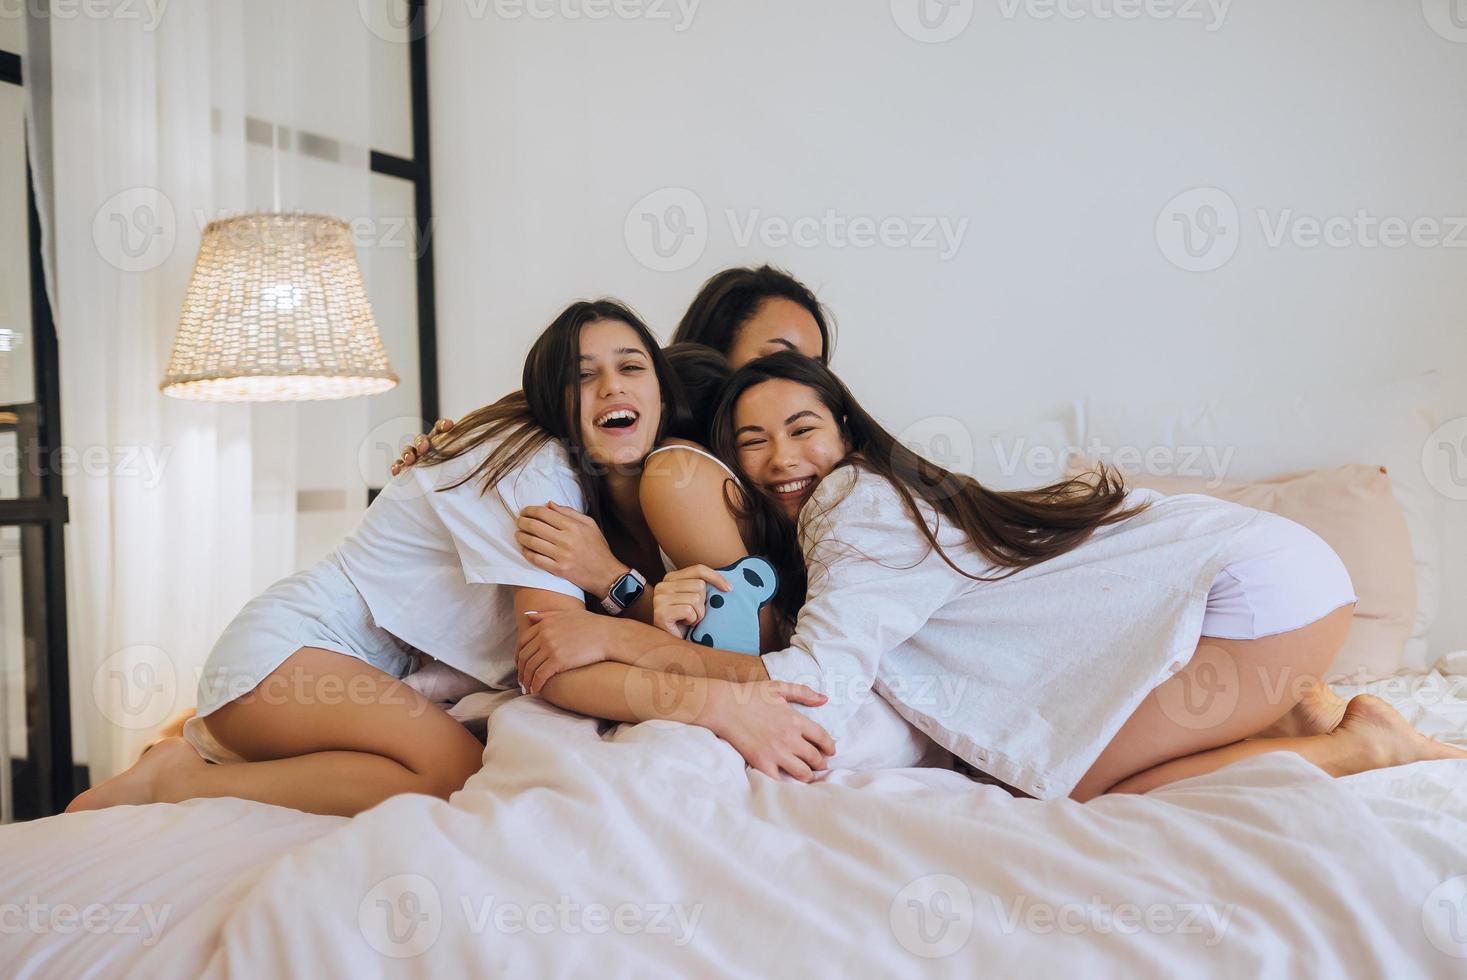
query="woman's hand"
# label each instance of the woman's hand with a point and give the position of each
(678, 601)
(759, 721)
(561, 640)
(567, 543)
(419, 446)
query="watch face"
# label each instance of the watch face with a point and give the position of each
(626, 591)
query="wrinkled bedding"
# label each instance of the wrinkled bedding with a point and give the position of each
(650, 850)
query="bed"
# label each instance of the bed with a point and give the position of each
(650, 850)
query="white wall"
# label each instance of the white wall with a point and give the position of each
(1056, 143)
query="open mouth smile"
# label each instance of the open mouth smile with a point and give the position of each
(792, 489)
(619, 420)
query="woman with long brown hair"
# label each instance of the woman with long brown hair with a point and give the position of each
(1055, 639)
(302, 703)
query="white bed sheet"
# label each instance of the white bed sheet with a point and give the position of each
(651, 850)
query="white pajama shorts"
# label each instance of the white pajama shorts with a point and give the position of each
(1288, 578)
(319, 607)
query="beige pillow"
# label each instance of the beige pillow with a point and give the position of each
(1353, 509)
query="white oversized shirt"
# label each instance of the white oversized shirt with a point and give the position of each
(1026, 679)
(437, 568)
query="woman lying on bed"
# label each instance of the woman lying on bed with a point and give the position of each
(1069, 641)
(302, 695)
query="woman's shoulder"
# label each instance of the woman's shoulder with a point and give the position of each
(681, 460)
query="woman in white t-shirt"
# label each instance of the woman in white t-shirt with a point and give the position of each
(301, 702)
(1069, 641)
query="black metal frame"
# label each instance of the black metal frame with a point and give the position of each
(49, 768)
(47, 779)
(419, 171)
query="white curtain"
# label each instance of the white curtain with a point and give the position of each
(180, 511)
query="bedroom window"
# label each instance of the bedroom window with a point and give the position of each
(36, 777)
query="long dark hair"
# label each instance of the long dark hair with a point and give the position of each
(702, 372)
(1011, 529)
(732, 297)
(548, 406)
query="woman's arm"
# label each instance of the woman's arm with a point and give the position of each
(685, 501)
(873, 584)
(756, 719)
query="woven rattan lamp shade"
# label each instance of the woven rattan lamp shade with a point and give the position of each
(276, 310)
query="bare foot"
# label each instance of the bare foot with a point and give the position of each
(1378, 736)
(1318, 712)
(141, 783)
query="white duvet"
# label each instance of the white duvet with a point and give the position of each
(650, 850)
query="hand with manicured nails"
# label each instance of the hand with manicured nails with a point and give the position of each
(679, 601)
(420, 445)
(561, 640)
(567, 543)
(759, 721)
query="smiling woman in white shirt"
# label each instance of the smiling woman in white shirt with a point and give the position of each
(301, 702)
(1069, 641)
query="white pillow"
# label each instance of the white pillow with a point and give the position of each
(1245, 439)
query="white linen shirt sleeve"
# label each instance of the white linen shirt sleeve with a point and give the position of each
(874, 581)
(482, 525)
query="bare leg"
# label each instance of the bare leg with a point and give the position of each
(1372, 735)
(1229, 691)
(324, 733)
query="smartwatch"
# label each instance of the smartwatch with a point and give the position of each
(625, 592)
